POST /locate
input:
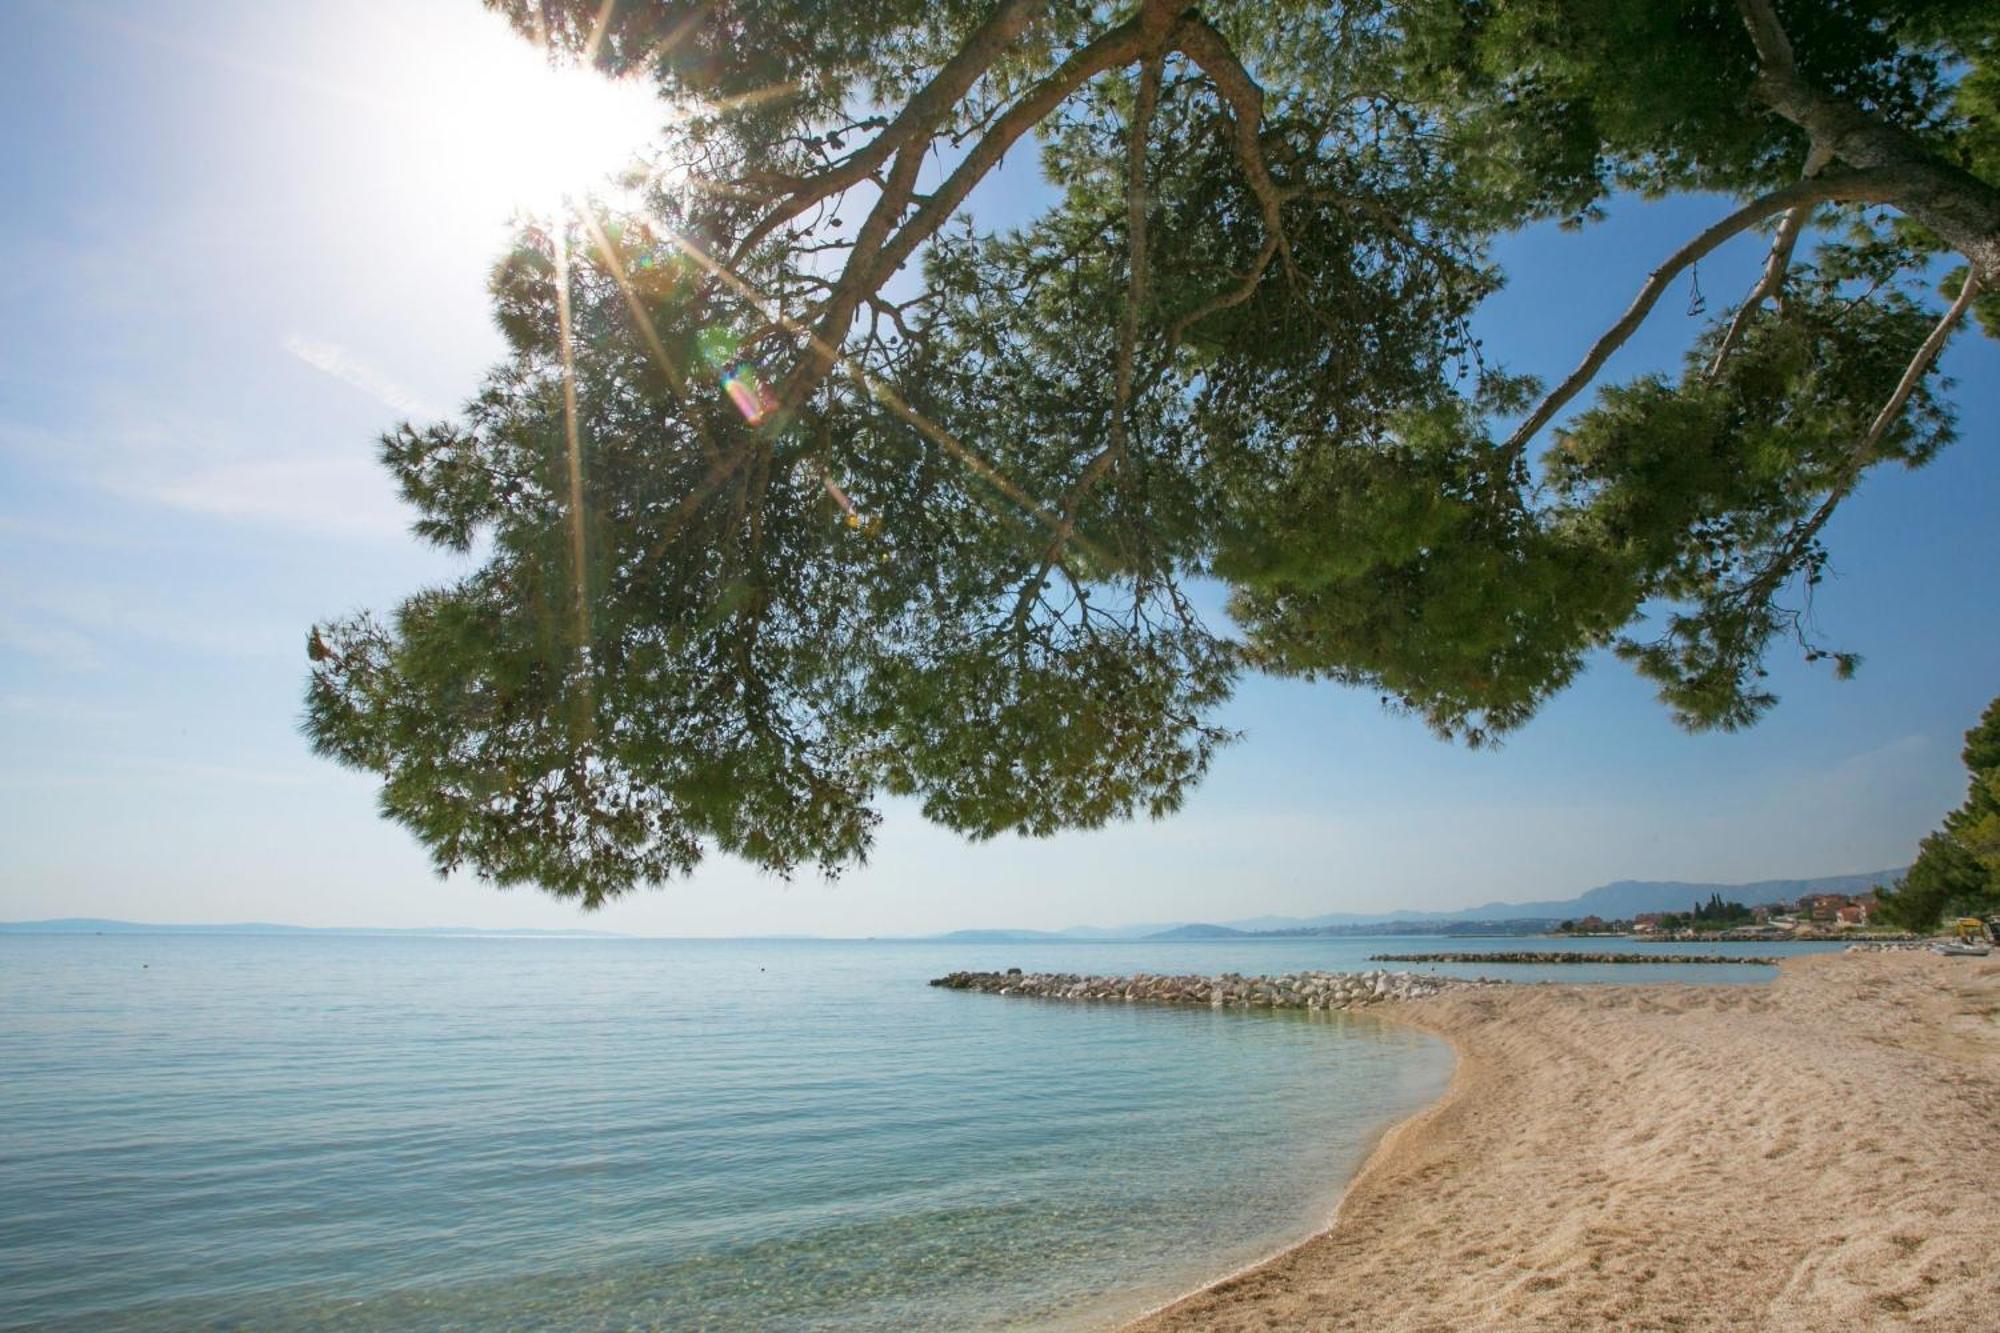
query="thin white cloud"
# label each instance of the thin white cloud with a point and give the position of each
(347, 497)
(68, 711)
(335, 360)
(15, 529)
(28, 441)
(139, 771)
(52, 643)
(198, 467)
(146, 768)
(72, 618)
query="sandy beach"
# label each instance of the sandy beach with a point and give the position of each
(1821, 1153)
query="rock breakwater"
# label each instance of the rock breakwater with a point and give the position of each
(1293, 990)
(1541, 957)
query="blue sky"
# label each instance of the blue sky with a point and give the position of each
(243, 240)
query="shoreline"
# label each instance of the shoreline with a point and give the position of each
(1809, 1155)
(1381, 1141)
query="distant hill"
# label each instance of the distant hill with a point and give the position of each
(1624, 898)
(1482, 928)
(994, 936)
(1628, 897)
(1136, 931)
(90, 925)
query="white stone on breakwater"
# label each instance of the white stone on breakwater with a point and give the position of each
(1293, 990)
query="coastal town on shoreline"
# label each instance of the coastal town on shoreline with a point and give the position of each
(1813, 916)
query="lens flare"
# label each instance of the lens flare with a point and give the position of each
(753, 398)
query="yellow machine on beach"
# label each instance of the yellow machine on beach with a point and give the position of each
(1972, 930)
(1971, 938)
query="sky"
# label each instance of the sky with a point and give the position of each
(245, 240)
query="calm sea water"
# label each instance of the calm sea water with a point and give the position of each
(271, 1132)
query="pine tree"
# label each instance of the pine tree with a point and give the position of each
(801, 484)
(1957, 870)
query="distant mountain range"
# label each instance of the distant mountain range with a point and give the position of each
(90, 925)
(1622, 899)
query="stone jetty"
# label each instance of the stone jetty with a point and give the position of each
(1294, 990)
(1541, 957)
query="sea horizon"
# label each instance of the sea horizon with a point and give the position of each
(1670, 895)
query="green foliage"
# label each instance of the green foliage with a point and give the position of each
(1703, 491)
(1944, 876)
(1979, 829)
(863, 499)
(1417, 568)
(755, 666)
(1982, 744)
(1719, 912)
(1957, 870)
(1715, 914)
(1553, 101)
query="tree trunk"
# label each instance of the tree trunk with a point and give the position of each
(1961, 208)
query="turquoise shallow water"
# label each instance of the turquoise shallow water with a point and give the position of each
(422, 1133)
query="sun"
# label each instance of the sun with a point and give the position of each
(512, 131)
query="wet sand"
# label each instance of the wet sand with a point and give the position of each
(1821, 1153)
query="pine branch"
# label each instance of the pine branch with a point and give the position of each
(1960, 207)
(1858, 458)
(1869, 186)
(875, 259)
(918, 118)
(1776, 267)
(1145, 104)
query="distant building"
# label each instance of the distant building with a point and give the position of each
(1854, 914)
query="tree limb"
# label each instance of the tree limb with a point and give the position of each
(573, 439)
(1869, 186)
(1960, 207)
(1859, 457)
(1212, 54)
(1776, 267)
(868, 267)
(1919, 363)
(1235, 296)
(922, 112)
(875, 388)
(1144, 105)
(1147, 102)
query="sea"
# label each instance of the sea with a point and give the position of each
(390, 1132)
